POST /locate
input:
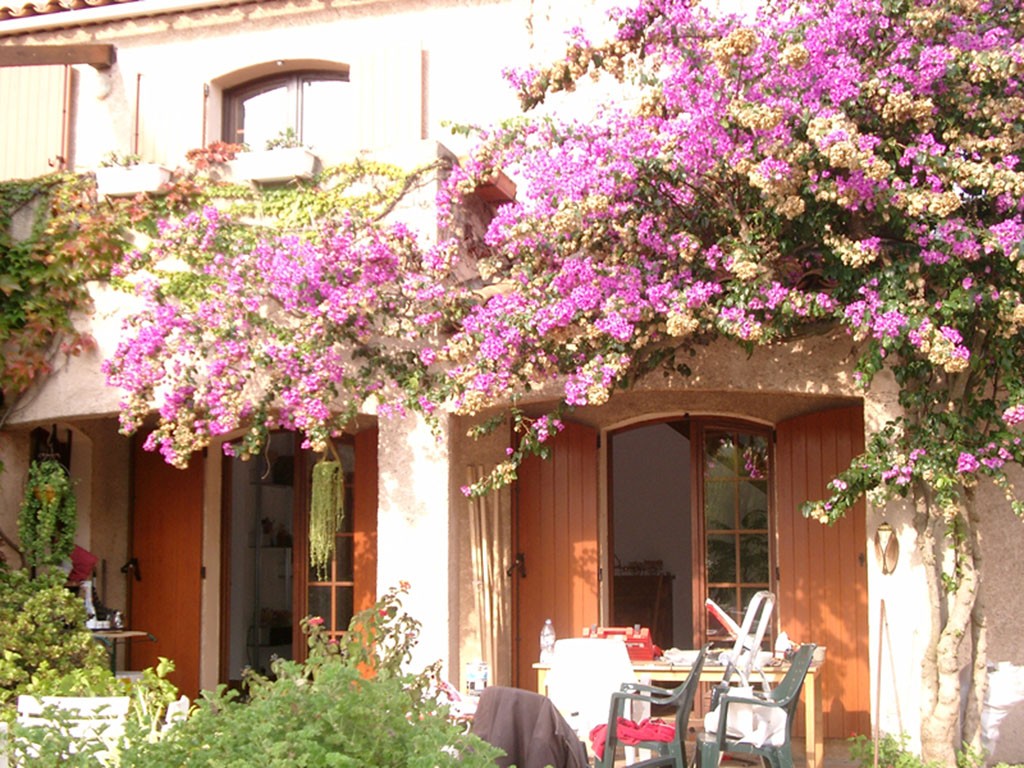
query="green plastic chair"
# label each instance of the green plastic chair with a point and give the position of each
(672, 752)
(711, 746)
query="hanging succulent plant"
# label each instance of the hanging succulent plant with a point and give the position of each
(326, 512)
(49, 514)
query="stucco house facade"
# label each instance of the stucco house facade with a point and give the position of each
(622, 525)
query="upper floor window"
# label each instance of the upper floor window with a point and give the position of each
(315, 106)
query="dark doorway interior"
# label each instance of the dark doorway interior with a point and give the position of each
(261, 559)
(651, 531)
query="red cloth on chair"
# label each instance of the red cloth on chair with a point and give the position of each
(630, 732)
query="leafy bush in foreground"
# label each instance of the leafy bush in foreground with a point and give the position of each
(42, 628)
(348, 704)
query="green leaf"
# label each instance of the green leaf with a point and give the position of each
(9, 284)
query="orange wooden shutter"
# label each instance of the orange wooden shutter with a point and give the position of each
(388, 85)
(364, 520)
(556, 532)
(822, 585)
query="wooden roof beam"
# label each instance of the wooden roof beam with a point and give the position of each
(99, 55)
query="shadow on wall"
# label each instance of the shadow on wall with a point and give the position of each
(584, 569)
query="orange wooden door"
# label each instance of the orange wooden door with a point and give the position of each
(167, 526)
(556, 539)
(822, 578)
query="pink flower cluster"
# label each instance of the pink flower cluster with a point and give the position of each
(296, 332)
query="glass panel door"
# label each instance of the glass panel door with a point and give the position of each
(333, 599)
(736, 526)
(269, 586)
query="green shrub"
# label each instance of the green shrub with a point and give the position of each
(57, 746)
(349, 704)
(893, 753)
(45, 643)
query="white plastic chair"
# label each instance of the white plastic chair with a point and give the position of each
(99, 719)
(585, 672)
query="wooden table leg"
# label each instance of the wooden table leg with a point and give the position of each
(814, 730)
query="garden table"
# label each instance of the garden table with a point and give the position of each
(111, 637)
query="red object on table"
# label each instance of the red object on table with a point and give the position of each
(638, 640)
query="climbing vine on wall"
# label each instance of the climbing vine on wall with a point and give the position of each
(54, 238)
(57, 235)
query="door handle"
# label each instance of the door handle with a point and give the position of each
(518, 563)
(132, 566)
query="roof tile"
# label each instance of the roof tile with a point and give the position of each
(43, 7)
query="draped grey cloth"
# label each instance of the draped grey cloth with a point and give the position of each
(528, 728)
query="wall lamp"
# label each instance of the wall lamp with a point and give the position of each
(887, 548)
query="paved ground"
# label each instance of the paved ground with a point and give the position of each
(837, 755)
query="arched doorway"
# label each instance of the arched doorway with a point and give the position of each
(699, 507)
(689, 508)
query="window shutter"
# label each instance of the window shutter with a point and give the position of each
(31, 120)
(388, 83)
(556, 530)
(823, 581)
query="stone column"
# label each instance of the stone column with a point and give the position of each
(414, 531)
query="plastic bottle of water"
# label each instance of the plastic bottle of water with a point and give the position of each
(547, 642)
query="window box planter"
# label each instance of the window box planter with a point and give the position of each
(274, 165)
(497, 190)
(128, 180)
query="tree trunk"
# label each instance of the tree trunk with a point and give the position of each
(979, 640)
(954, 588)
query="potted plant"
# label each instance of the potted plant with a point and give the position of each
(283, 158)
(49, 514)
(214, 160)
(124, 175)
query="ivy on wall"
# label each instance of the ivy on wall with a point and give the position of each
(57, 234)
(54, 239)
